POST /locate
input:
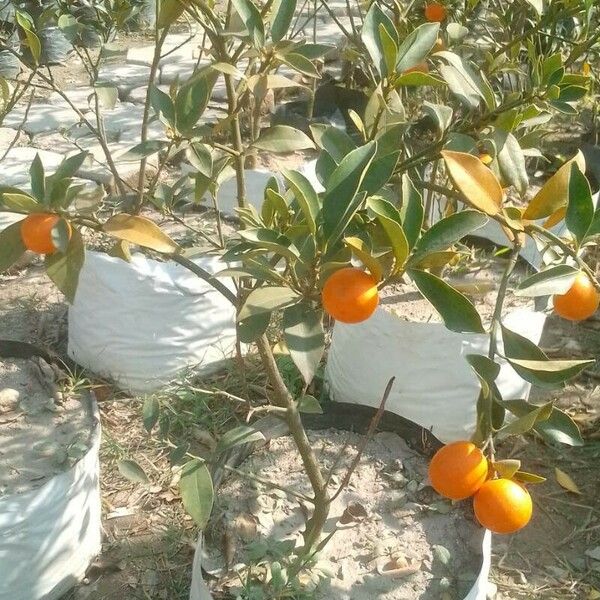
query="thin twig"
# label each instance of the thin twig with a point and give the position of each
(372, 427)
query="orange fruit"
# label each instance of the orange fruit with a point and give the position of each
(435, 12)
(485, 158)
(36, 232)
(350, 295)
(458, 470)
(580, 302)
(420, 68)
(502, 505)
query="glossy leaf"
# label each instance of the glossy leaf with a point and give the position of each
(140, 231)
(554, 280)
(340, 202)
(511, 160)
(412, 211)
(548, 373)
(11, 246)
(64, 268)
(371, 37)
(389, 217)
(417, 45)
(271, 240)
(282, 14)
(14, 200)
(476, 182)
(144, 149)
(252, 327)
(252, 19)
(364, 254)
(455, 309)
(197, 493)
(267, 299)
(192, 100)
(282, 138)
(448, 231)
(580, 209)
(305, 338)
(306, 196)
(527, 422)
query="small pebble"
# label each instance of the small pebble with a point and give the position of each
(8, 399)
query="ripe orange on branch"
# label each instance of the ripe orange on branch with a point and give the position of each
(458, 470)
(36, 232)
(580, 302)
(502, 506)
(350, 295)
(435, 12)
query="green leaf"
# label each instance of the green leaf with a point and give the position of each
(163, 105)
(33, 42)
(238, 436)
(340, 202)
(252, 327)
(14, 200)
(64, 269)
(389, 47)
(300, 63)
(557, 428)
(336, 142)
(389, 217)
(417, 45)
(192, 100)
(511, 160)
(461, 79)
(548, 373)
(306, 196)
(371, 37)
(169, 11)
(69, 167)
(282, 14)
(305, 338)
(252, 19)
(455, 309)
(554, 280)
(417, 79)
(314, 51)
(580, 209)
(271, 240)
(448, 231)
(61, 233)
(518, 346)
(267, 299)
(228, 69)
(527, 422)
(412, 211)
(38, 178)
(310, 405)
(143, 150)
(487, 372)
(282, 138)
(150, 413)
(11, 246)
(197, 493)
(132, 471)
(140, 231)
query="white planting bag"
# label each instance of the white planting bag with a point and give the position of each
(50, 535)
(435, 385)
(7, 219)
(141, 323)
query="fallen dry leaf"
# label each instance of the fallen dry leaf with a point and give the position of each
(398, 568)
(566, 482)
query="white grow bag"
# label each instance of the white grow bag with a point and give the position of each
(50, 535)
(141, 323)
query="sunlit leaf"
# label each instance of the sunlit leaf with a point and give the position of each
(140, 231)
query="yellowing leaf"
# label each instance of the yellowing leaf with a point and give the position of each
(555, 218)
(565, 481)
(140, 231)
(478, 184)
(555, 193)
